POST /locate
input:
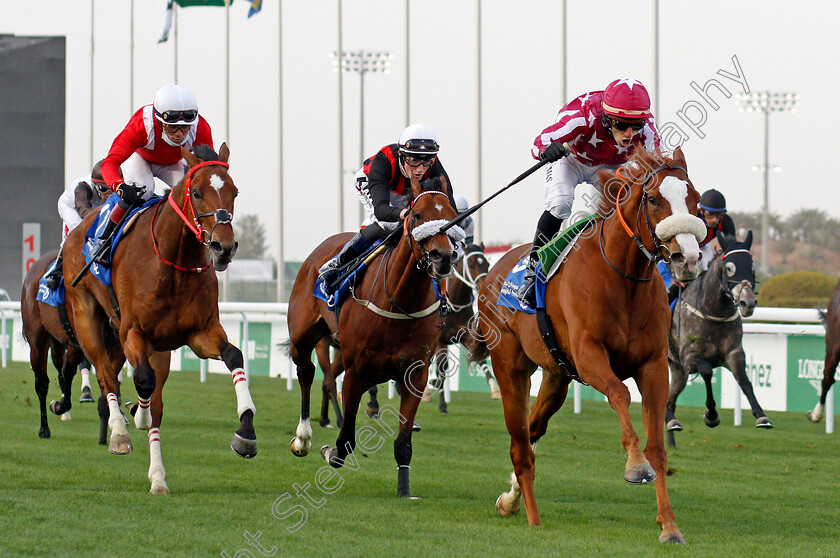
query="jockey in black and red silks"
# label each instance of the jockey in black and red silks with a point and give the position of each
(600, 128)
(384, 188)
(149, 147)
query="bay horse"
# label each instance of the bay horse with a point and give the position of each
(46, 336)
(832, 354)
(165, 285)
(607, 308)
(388, 328)
(461, 287)
(706, 330)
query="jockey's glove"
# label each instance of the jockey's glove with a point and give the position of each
(554, 152)
(130, 193)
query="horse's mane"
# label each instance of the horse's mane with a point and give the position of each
(634, 171)
(205, 153)
(432, 185)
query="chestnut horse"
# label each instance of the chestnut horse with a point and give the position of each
(610, 317)
(46, 336)
(164, 279)
(832, 353)
(388, 328)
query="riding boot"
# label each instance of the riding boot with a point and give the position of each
(103, 243)
(331, 270)
(53, 278)
(547, 227)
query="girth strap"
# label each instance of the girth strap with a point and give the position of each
(65, 323)
(551, 343)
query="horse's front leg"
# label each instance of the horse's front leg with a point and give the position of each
(679, 378)
(157, 474)
(710, 417)
(652, 381)
(831, 360)
(214, 343)
(412, 386)
(137, 351)
(736, 362)
(302, 357)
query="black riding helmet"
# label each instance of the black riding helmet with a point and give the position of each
(713, 201)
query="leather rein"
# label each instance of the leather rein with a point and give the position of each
(223, 217)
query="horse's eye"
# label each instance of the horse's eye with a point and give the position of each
(730, 269)
(196, 195)
(652, 200)
(418, 217)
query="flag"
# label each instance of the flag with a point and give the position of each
(167, 25)
(256, 6)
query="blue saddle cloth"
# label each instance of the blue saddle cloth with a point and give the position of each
(47, 295)
(100, 272)
(507, 296)
(338, 295)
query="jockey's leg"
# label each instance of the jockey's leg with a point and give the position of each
(331, 270)
(547, 227)
(53, 278)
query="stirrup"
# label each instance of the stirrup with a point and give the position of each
(101, 252)
(53, 280)
(527, 293)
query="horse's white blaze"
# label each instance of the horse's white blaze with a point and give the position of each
(157, 474)
(216, 182)
(689, 246)
(675, 191)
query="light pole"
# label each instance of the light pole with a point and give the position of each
(363, 62)
(767, 102)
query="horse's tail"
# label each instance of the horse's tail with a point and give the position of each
(475, 342)
(285, 347)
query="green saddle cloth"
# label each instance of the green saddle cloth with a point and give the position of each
(549, 253)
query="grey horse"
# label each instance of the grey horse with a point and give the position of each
(706, 330)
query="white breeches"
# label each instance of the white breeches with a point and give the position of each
(561, 179)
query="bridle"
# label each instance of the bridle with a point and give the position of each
(466, 277)
(409, 226)
(222, 217)
(729, 285)
(656, 254)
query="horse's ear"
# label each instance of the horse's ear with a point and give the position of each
(192, 160)
(723, 239)
(224, 153)
(679, 158)
(748, 239)
(416, 189)
(481, 246)
(444, 185)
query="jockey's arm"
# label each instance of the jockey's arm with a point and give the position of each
(125, 144)
(380, 196)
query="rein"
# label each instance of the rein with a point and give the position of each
(223, 217)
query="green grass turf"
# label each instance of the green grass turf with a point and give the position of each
(735, 490)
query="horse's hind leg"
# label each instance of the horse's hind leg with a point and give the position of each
(329, 394)
(832, 357)
(553, 391)
(72, 357)
(38, 353)
(737, 364)
(710, 417)
(372, 408)
(346, 442)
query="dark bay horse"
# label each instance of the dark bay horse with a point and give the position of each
(461, 286)
(608, 311)
(832, 353)
(165, 284)
(46, 336)
(388, 329)
(706, 330)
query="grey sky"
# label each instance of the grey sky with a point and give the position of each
(778, 46)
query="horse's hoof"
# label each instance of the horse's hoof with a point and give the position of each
(242, 447)
(763, 422)
(120, 445)
(673, 537)
(54, 407)
(813, 417)
(299, 447)
(711, 423)
(372, 412)
(87, 396)
(674, 425)
(159, 487)
(325, 453)
(504, 509)
(642, 473)
(65, 416)
(44, 433)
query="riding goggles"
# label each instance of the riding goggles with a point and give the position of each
(621, 126)
(419, 146)
(100, 185)
(173, 116)
(416, 162)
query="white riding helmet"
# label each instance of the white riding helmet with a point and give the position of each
(419, 141)
(175, 105)
(461, 204)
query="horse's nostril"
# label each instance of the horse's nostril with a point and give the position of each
(215, 246)
(435, 256)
